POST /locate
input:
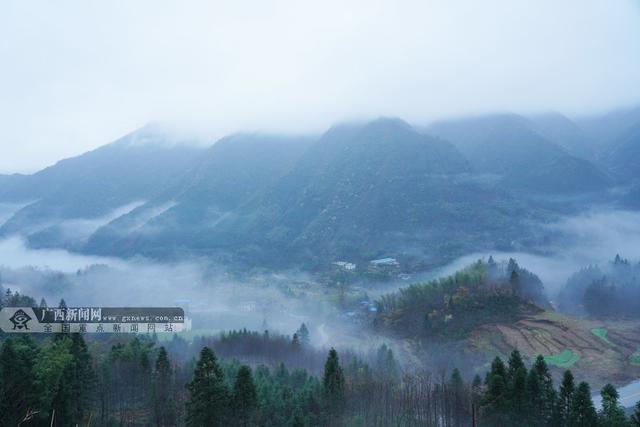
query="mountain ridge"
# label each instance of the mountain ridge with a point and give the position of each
(358, 191)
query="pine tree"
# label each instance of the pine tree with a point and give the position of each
(209, 401)
(476, 395)
(540, 393)
(81, 377)
(8, 296)
(295, 342)
(514, 364)
(476, 383)
(512, 265)
(514, 283)
(281, 373)
(565, 400)
(495, 401)
(303, 334)
(144, 371)
(386, 364)
(55, 376)
(455, 382)
(476, 389)
(612, 414)
(517, 388)
(164, 405)
(43, 303)
(333, 386)
(583, 413)
(245, 399)
(519, 404)
(456, 385)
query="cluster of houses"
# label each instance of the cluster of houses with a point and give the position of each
(376, 265)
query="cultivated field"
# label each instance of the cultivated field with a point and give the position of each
(600, 351)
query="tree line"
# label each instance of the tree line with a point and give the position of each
(63, 380)
(608, 291)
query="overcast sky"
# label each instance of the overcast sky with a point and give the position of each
(77, 74)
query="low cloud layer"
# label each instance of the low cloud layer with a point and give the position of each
(216, 299)
(221, 300)
(592, 238)
(14, 253)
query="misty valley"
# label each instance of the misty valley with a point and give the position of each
(477, 271)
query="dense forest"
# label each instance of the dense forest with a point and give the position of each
(63, 380)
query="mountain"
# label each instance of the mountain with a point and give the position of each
(564, 132)
(605, 129)
(357, 192)
(95, 186)
(180, 218)
(365, 191)
(11, 186)
(507, 146)
(470, 132)
(622, 158)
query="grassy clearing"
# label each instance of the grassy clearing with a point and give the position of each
(602, 334)
(634, 359)
(566, 359)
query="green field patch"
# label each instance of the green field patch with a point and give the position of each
(634, 359)
(602, 334)
(566, 359)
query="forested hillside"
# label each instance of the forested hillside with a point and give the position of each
(365, 190)
(185, 214)
(359, 191)
(64, 203)
(451, 307)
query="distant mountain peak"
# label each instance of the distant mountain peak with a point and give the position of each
(389, 122)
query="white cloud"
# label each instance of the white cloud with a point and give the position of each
(15, 254)
(77, 74)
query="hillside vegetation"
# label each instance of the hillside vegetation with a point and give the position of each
(451, 307)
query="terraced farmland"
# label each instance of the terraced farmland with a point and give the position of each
(602, 334)
(599, 351)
